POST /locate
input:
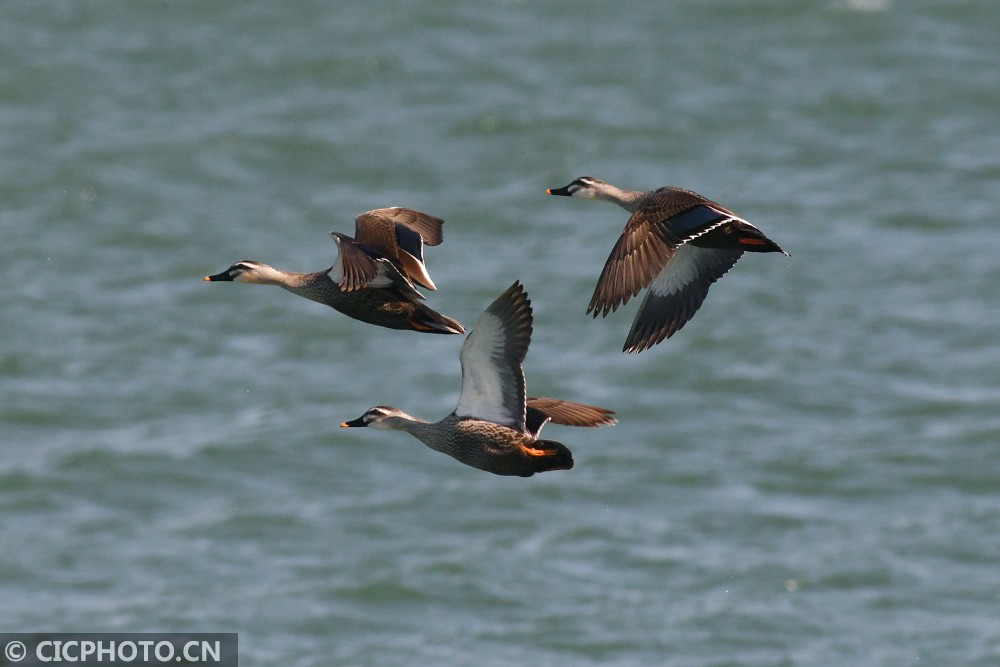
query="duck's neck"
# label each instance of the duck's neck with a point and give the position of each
(303, 284)
(424, 431)
(413, 425)
(264, 274)
(627, 199)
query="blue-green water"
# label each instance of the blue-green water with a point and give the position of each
(807, 474)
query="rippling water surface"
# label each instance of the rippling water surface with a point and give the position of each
(807, 474)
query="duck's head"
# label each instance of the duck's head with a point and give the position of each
(585, 187)
(245, 271)
(380, 416)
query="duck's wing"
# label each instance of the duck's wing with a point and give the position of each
(669, 218)
(541, 410)
(354, 269)
(492, 355)
(389, 275)
(676, 294)
(427, 226)
(399, 234)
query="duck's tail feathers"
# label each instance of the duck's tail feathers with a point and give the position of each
(431, 321)
(546, 455)
(752, 239)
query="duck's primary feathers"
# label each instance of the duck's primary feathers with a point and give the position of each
(373, 277)
(495, 427)
(677, 243)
